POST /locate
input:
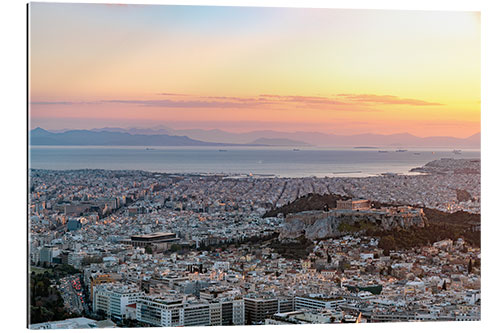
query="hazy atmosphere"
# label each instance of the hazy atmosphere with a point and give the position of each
(244, 69)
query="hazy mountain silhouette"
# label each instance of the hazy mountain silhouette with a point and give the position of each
(333, 140)
(39, 136)
(160, 135)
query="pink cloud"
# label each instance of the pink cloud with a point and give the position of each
(385, 99)
(343, 102)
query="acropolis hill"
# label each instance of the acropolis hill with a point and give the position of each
(333, 223)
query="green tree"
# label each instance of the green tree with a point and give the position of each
(387, 243)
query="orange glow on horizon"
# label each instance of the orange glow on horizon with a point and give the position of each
(237, 69)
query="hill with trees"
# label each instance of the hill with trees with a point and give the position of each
(440, 225)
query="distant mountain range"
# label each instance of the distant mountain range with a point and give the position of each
(164, 136)
(332, 140)
(39, 136)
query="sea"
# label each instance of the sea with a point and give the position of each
(243, 161)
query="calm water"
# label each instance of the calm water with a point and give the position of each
(284, 162)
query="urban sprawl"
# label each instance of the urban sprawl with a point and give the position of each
(140, 249)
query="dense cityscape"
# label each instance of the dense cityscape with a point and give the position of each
(253, 166)
(140, 249)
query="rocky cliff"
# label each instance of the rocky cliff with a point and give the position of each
(334, 223)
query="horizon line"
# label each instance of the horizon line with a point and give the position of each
(245, 132)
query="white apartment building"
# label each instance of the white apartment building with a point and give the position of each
(317, 302)
(171, 312)
(113, 298)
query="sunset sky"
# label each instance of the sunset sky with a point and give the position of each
(242, 69)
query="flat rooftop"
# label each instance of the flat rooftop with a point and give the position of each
(156, 235)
